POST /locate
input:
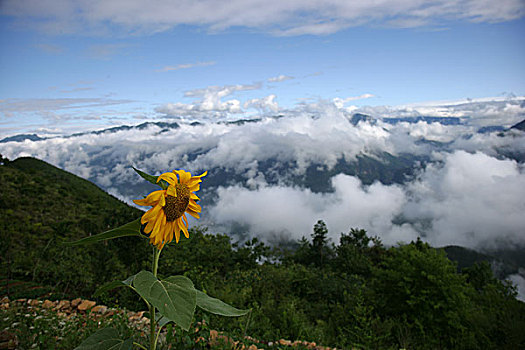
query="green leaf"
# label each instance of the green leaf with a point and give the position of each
(174, 297)
(216, 306)
(112, 285)
(130, 229)
(106, 339)
(152, 179)
(163, 320)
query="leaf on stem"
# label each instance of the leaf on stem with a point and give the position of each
(130, 229)
(216, 306)
(106, 339)
(112, 285)
(152, 179)
(174, 297)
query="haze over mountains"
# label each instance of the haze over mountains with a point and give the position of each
(452, 173)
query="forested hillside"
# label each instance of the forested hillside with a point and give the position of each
(42, 206)
(352, 293)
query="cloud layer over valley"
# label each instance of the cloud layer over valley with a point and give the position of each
(399, 172)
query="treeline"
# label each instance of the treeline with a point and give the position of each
(353, 294)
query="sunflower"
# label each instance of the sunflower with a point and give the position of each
(167, 215)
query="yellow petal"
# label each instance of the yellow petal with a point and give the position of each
(194, 196)
(169, 236)
(172, 191)
(201, 175)
(192, 213)
(184, 176)
(194, 188)
(184, 229)
(177, 232)
(194, 206)
(150, 214)
(169, 177)
(149, 227)
(151, 199)
(166, 232)
(159, 224)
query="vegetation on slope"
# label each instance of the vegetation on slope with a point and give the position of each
(353, 293)
(42, 206)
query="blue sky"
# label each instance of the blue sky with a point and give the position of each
(71, 65)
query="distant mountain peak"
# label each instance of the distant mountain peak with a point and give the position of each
(519, 126)
(359, 117)
(22, 138)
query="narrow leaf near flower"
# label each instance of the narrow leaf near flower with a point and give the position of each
(167, 217)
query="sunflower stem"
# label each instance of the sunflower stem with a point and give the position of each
(153, 323)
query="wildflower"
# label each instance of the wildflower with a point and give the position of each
(167, 216)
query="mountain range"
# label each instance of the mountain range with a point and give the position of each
(399, 176)
(354, 119)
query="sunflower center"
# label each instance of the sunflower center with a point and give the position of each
(176, 206)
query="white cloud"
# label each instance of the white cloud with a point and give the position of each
(186, 66)
(288, 17)
(470, 199)
(18, 105)
(505, 111)
(293, 210)
(280, 78)
(340, 102)
(209, 102)
(265, 104)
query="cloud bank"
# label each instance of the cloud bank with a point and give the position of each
(277, 175)
(290, 17)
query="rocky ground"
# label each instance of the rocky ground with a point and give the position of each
(69, 309)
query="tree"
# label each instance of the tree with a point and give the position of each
(3, 160)
(320, 249)
(355, 254)
(421, 284)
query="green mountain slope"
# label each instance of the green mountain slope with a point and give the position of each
(42, 206)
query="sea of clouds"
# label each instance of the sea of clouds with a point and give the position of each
(469, 192)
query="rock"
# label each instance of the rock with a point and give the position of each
(75, 302)
(285, 342)
(33, 302)
(48, 304)
(85, 305)
(63, 304)
(4, 300)
(111, 313)
(8, 340)
(4, 306)
(100, 309)
(252, 347)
